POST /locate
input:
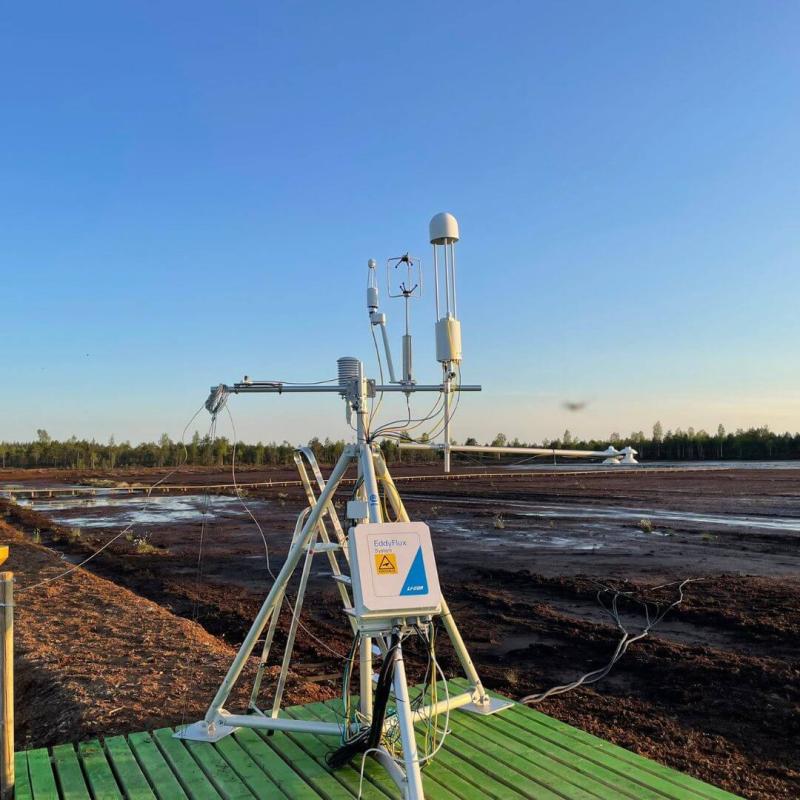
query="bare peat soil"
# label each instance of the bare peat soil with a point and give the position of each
(139, 639)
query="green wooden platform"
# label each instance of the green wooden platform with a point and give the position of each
(520, 753)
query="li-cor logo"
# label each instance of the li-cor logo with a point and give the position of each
(416, 581)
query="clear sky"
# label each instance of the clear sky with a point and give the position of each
(189, 191)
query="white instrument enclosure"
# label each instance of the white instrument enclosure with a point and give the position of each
(393, 570)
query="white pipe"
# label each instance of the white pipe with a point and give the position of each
(388, 351)
(279, 724)
(461, 651)
(453, 274)
(443, 705)
(533, 451)
(436, 280)
(274, 388)
(448, 309)
(414, 789)
(447, 447)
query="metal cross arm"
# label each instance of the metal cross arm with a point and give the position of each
(285, 388)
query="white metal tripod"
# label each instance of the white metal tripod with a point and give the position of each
(311, 536)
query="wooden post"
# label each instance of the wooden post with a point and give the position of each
(6, 685)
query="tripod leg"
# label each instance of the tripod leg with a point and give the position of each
(482, 703)
(365, 676)
(404, 718)
(292, 559)
(462, 653)
(298, 606)
(367, 467)
(262, 664)
(273, 623)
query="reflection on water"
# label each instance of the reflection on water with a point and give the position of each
(659, 515)
(620, 513)
(113, 511)
(527, 538)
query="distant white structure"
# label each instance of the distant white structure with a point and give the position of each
(610, 455)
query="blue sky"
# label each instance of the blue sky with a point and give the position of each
(190, 192)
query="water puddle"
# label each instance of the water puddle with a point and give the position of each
(593, 539)
(104, 511)
(662, 516)
(620, 513)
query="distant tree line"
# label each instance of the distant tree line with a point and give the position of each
(683, 445)
(672, 445)
(76, 453)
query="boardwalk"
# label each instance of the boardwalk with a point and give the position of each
(517, 754)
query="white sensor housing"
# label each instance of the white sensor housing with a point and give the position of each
(393, 570)
(448, 340)
(443, 229)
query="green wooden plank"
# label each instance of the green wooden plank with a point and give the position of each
(98, 771)
(518, 753)
(316, 774)
(506, 767)
(126, 768)
(470, 781)
(476, 775)
(22, 781)
(218, 771)
(376, 784)
(373, 772)
(289, 781)
(590, 776)
(435, 789)
(40, 771)
(668, 780)
(577, 749)
(629, 759)
(69, 773)
(618, 758)
(509, 768)
(155, 768)
(256, 780)
(185, 768)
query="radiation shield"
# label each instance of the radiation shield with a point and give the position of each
(393, 570)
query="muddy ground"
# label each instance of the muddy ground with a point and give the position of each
(713, 691)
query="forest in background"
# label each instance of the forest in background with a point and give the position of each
(670, 445)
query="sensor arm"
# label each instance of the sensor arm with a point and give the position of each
(283, 388)
(379, 319)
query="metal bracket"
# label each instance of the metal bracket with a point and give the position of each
(492, 706)
(204, 731)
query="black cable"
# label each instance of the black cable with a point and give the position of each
(369, 738)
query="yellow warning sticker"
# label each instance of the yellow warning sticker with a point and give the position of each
(386, 563)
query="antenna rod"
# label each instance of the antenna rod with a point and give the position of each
(443, 233)
(378, 318)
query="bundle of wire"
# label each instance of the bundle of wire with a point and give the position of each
(383, 731)
(369, 738)
(399, 429)
(626, 639)
(433, 736)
